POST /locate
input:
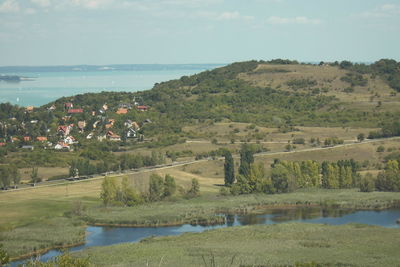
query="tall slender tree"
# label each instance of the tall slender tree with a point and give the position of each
(229, 169)
(246, 159)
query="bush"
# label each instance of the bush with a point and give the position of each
(380, 149)
(194, 190)
(299, 141)
(367, 183)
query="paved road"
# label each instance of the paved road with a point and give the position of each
(181, 163)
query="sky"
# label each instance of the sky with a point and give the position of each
(69, 32)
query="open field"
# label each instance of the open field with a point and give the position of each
(262, 245)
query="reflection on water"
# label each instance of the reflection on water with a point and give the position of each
(105, 236)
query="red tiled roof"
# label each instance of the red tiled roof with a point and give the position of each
(41, 138)
(142, 107)
(122, 111)
(75, 110)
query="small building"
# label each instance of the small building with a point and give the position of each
(63, 130)
(81, 125)
(34, 121)
(131, 133)
(90, 136)
(142, 108)
(75, 110)
(52, 108)
(68, 105)
(29, 109)
(105, 107)
(2, 144)
(95, 124)
(122, 111)
(112, 136)
(27, 147)
(62, 146)
(132, 124)
(14, 139)
(70, 140)
(41, 138)
(125, 105)
(27, 138)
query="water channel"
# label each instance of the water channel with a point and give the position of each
(105, 236)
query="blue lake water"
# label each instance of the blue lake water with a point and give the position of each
(105, 236)
(51, 83)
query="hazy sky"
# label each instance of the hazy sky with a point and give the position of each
(64, 32)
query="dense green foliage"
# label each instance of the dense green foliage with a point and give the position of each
(389, 179)
(126, 195)
(388, 69)
(288, 176)
(229, 169)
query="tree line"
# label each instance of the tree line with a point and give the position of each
(82, 167)
(158, 189)
(287, 176)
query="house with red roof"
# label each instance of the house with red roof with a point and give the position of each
(75, 110)
(112, 136)
(142, 108)
(63, 130)
(121, 111)
(68, 105)
(41, 138)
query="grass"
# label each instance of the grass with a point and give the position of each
(260, 245)
(31, 210)
(40, 236)
(205, 207)
(39, 224)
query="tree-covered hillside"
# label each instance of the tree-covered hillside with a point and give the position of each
(278, 93)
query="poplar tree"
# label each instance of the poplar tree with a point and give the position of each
(246, 159)
(229, 169)
(109, 190)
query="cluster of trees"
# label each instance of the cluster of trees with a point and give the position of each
(301, 83)
(388, 69)
(333, 141)
(158, 189)
(287, 176)
(389, 179)
(354, 79)
(388, 130)
(9, 174)
(81, 167)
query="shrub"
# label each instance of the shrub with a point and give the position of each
(367, 183)
(380, 149)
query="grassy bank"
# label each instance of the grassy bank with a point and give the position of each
(41, 236)
(203, 209)
(261, 245)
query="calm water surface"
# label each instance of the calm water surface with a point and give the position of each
(49, 84)
(105, 236)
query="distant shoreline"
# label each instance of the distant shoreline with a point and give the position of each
(107, 68)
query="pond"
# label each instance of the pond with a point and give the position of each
(105, 236)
